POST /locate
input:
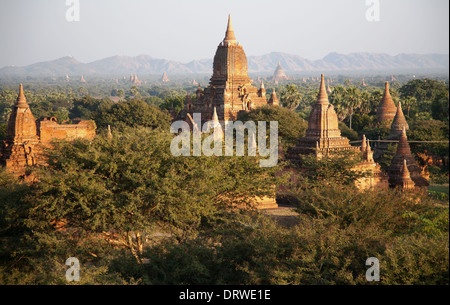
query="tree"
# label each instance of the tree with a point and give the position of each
(132, 113)
(290, 97)
(122, 188)
(439, 106)
(425, 91)
(290, 126)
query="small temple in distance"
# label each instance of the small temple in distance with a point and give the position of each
(279, 74)
(164, 78)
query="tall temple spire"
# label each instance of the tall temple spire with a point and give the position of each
(399, 121)
(274, 101)
(229, 34)
(322, 98)
(403, 148)
(386, 110)
(405, 177)
(21, 99)
(395, 170)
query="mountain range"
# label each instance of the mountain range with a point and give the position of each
(145, 64)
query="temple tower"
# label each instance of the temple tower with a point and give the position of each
(323, 132)
(274, 101)
(395, 169)
(230, 88)
(398, 124)
(164, 78)
(279, 74)
(21, 147)
(386, 110)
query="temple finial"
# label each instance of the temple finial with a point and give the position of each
(322, 98)
(229, 34)
(21, 99)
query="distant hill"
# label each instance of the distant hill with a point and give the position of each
(145, 64)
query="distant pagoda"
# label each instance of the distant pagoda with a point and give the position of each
(134, 79)
(164, 78)
(386, 109)
(279, 74)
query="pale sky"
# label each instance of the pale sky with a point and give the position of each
(183, 30)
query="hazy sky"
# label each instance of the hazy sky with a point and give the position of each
(184, 30)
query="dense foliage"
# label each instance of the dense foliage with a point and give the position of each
(133, 213)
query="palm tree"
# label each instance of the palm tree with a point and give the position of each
(290, 97)
(352, 101)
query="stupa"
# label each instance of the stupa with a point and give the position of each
(279, 74)
(323, 134)
(386, 110)
(230, 88)
(395, 169)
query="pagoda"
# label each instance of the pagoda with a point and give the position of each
(26, 137)
(21, 147)
(164, 78)
(274, 101)
(395, 169)
(230, 88)
(323, 134)
(279, 74)
(398, 124)
(324, 137)
(395, 133)
(386, 110)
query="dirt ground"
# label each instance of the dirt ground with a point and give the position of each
(284, 215)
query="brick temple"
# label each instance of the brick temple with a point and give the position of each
(386, 109)
(230, 88)
(324, 137)
(26, 136)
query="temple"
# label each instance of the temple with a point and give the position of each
(164, 78)
(399, 123)
(323, 134)
(324, 137)
(230, 88)
(386, 110)
(26, 137)
(395, 133)
(403, 155)
(274, 101)
(279, 74)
